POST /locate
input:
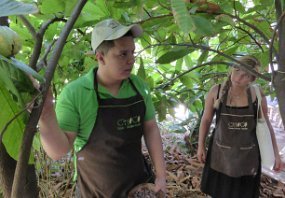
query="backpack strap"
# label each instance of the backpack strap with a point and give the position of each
(218, 94)
(218, 111)
(259, 99)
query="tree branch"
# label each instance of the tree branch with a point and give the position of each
(31, 127)
(278, 8)
(251, 36)
(189, 70)
(30, 27)
(255, 29)
(279, 22)
(240, 64)
(39, 41)
(43, 61)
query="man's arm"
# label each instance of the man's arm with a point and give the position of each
(155, 149)
(55, 141)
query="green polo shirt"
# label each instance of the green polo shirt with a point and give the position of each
(77, 105)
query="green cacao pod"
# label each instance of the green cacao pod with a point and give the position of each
(10, 42)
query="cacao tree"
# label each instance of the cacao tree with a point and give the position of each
(187, 46)
(20, 185)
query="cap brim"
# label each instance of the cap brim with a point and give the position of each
(89, 53)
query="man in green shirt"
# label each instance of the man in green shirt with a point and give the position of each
(104, 115)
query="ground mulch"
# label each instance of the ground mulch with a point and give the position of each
(184, 174)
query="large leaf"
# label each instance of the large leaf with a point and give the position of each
(52, 6)
(10, 107)
(11, 7)
(203, 25)
(173, 54)
(182, 16)
(141, 71)
(189, 79)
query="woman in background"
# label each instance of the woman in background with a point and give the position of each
(233, 166)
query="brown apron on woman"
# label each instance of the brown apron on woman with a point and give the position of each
(235, 151)
(111, 163)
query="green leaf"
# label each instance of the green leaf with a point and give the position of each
(182, 16)
(141, 71)
(8, 83)
(92, 13)
(265, 27)
(269, 2)
(69, 6)
(126, 4)
(17, 64)
(203, 25)
(162, 108)
(238, 6)
(175, 53)
(189, 79)
(225, 18)
(11, 7)
(203, 57)
(13, 136)
(52, 6)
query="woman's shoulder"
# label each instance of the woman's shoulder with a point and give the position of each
(214, 91)
(253, 91)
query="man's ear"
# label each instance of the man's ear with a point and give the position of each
(100, 57)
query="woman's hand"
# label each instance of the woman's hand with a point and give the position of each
(201, 153)
(279, 165)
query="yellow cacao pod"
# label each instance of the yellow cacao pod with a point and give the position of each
(10, 42)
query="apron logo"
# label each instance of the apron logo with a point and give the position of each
(128, 123)
(237, 125)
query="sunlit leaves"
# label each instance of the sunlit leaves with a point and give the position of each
(167, 22)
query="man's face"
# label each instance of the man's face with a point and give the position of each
(118, 62)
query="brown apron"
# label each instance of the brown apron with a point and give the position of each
(235, 149)
(111, 162)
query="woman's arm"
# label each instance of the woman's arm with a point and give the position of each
(206, 122)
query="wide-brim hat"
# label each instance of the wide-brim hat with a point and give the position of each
(110, 29)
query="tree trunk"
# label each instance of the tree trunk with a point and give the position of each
(279, 76)
(7, 170)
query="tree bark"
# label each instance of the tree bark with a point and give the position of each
(279, 75)
(7, 170)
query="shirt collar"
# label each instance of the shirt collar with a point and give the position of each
(88, 80)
